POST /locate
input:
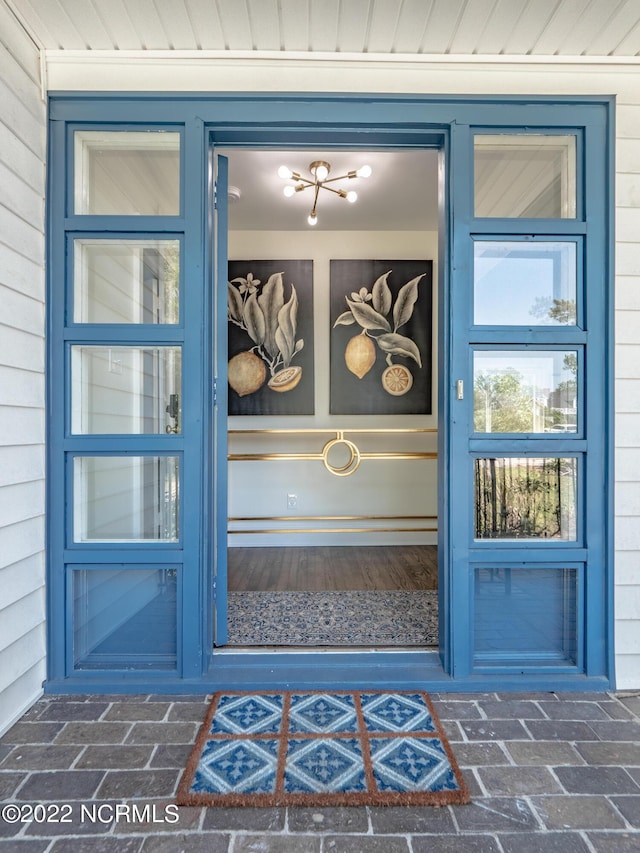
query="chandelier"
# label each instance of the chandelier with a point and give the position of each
(320, 171)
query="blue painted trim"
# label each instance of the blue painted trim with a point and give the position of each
(445, 230)
(356, 121)
(155, 227)
(55, 272)
(166, 554)
(368, 670)
(195, 400)
(609, 395)
(458, 516)
(220, 467)
(598, 487)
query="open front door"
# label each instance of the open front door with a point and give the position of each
(527, 453)
(219, 226)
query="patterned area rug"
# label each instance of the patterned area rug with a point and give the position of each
(345, 618)
(317, 748)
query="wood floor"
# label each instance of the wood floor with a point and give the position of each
(322, 569)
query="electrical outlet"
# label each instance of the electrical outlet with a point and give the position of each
(292, 501)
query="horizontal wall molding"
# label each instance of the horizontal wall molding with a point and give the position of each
(342, 59)
(280, 71)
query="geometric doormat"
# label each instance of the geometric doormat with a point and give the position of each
(321, 748)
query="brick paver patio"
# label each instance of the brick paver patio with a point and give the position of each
(547, 772)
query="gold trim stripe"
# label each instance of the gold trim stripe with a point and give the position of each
(297, 457)
(344, 530)
(335, 518)
(327, 430)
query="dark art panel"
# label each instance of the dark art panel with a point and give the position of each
(381, 316)
(270, 313)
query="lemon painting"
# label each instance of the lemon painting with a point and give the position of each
(270, 326)
(381, 335)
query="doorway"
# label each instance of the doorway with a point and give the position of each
(527, 595)
(332, 537)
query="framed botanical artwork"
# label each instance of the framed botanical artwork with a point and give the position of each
(270, 323)
(381, 337)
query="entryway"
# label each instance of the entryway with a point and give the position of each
(137, 502)
(333, 489)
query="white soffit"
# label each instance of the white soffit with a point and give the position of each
(553, 29)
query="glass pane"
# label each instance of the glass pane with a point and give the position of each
(525, 391)
(526, 612)
(524, 284)
(525, 175)
(126, 173)
(125, 389)
(528, 498)
(124, 618)
(125, 498)
(126, 281)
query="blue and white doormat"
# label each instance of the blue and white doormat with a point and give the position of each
(321, 748)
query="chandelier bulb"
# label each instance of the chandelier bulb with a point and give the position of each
(322, 173)
(311, 219)
(352, 196)
(364, 172)
(289, 191)
(285, 172)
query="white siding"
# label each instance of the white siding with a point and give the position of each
(22, 175)
(627, 304)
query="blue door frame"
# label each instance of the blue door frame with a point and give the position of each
(289, 120)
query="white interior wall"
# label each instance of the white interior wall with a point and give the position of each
(22, 184)
(406, 487)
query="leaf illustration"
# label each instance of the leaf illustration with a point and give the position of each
(403, 309)
(399, 345)
(254, 320)
(367, 317)
(346, 319)
(285, 336)
(271, 301)
(234, 303)
(382, 294)
(299, 345)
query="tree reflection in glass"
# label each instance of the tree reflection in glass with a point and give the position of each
(525, 391)
(525, 498)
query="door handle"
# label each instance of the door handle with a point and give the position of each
(173, 410)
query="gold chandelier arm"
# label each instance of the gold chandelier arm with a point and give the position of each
(303, 183)
(341, 193)
(315, 200)
(351, 174)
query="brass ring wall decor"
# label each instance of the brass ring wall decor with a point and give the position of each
(355, 455)
(352, 464)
